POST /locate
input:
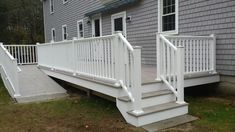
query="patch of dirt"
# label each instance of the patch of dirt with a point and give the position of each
(220, 100)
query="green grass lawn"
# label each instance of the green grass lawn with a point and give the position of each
(79, 113)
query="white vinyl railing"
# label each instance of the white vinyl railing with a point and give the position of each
(170, 66)
(25, 54)
(200, 53)
(109, 59)
(9, 71)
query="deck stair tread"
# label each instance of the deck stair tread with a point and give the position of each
(147, 95)
(157, 108)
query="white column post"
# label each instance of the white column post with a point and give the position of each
(213, 53)
(116, 58)
(74, 56)
(180, 74)
(36, 52)
(158, 58)
(136, 89)
(52, 55)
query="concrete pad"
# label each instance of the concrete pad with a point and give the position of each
(154, 127)
(35, 85)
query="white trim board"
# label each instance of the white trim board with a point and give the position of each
(64, 33)
(78, 30)
(95, 17)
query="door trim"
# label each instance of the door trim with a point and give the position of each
(93, 24)
(119, 15)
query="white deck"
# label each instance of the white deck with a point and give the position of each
(112, 66)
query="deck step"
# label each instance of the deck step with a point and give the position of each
(157, 108)
(147, 95)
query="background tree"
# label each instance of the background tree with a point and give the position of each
(22, 21)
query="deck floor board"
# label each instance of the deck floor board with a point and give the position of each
(149, 73)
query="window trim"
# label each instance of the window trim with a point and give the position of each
(52, 37)
(93, 24)
(78, 30)
(63, 39)
(119, 15)
(160, 14)
(51, 12)
(64, 2)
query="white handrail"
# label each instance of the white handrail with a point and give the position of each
(126, 42)
(127, 91)
(170, 66)
(9, 71)
(168, 42)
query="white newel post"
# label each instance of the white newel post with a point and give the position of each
(180, 74)
(137, 80)
(158, 57)
(36, 52)
(74, 56)
(213, 53)
(52, 54)
(116, 58)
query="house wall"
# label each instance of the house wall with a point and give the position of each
(204, 17)
(140, 31)
(68, 14)
(201, 17)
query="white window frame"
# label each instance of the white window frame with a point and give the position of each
(160, 14)
(119, 15)
(65, 1)
(52, 37)
(64, 32)
(93, 24)
(78, 30)
(52, 4)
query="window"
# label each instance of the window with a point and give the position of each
(65, 1)
(64, 32)
(53, 38)
(80, 29)
(118, 21)
(51, 6)
(168, 16)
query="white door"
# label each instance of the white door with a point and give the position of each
(96, 26)
(119, 23)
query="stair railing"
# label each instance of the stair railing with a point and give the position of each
(129, 71)
(170, 66)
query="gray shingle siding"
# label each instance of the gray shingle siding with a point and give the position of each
(201, 17)
(141, 31)
(68, 14)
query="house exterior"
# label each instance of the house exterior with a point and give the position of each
(203, 17)
(142, 53)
